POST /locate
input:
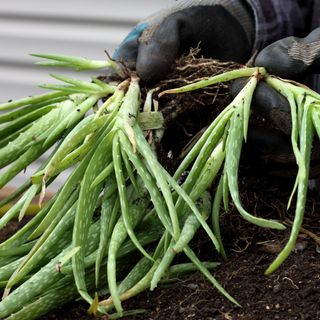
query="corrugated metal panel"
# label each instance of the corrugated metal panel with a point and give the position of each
(73, 27)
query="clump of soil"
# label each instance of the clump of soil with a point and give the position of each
(187, 115)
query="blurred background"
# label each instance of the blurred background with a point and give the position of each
(73, 27)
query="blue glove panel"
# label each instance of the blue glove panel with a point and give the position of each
(128, 49)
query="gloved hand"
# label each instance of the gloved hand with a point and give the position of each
(222, 28)
(290, 58)
(268, 146)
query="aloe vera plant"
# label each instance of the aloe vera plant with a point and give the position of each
(119, 198)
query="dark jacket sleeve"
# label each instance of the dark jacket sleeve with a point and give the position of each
(315, 15)
(276, 19)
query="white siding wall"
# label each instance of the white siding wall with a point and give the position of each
(72, 27)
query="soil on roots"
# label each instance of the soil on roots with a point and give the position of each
(187, 115)
(292, 292)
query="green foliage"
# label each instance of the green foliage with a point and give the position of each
(119, 199)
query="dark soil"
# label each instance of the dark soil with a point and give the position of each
(188, 114)
(292, 292)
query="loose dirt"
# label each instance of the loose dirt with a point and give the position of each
(292, 292)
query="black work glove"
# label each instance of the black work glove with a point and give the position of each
(290, 58)
(268, 145)
(222, 28)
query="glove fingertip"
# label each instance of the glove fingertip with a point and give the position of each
(154, 61)
(277, 60)
(152, 71)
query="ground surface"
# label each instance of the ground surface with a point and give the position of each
(292, 292)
